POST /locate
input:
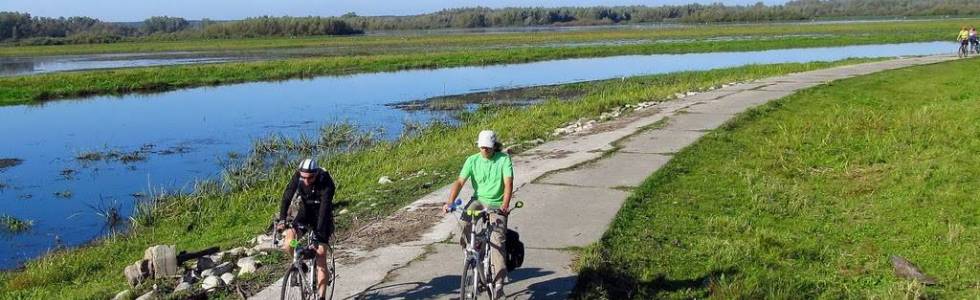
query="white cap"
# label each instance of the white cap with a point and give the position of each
(487, 139)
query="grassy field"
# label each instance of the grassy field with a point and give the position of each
(380, 44)
(228, 219)
(30, 89)
(809, 196)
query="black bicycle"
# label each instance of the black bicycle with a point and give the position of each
(300, 281)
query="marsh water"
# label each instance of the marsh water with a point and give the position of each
(184, 135)
(13, 66)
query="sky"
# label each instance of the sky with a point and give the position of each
(137, 10)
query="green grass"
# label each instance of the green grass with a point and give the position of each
(452, 53)
(227, 219)
(807, 197)
(374, 44)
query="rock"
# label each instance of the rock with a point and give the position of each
(163, 260)
(251, 252)
(265, 243)
(219, 270)
(262, 238)
(204, 263)
(679, 95)
(211, 282)
(690, 94)
(182, 286)
(247, 265)
(137, 272)
(235, 252)
(247, 269)
(907, 270)
(228, 278)
(126, 294)
(148, 296)
(384, 180)
(343, 211)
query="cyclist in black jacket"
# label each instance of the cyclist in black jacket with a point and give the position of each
(308, 200)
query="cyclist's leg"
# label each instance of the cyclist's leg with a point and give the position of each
(473, 204)
(498, 252)
(322, 273)
(288, 236)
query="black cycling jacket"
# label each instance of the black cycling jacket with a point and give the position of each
(321, 192)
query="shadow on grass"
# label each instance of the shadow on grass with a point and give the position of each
(612, 283)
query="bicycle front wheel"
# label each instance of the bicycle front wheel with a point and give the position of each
(294, 285)
(469, 281)
(333, 276)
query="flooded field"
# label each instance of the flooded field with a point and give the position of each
(64, 161)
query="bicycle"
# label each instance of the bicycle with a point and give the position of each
(964, 50)
(300, 281)
(478, 274)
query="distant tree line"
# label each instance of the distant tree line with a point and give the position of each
(691, 13)
(25, 29)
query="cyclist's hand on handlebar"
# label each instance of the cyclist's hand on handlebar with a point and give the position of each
(445, 208)
(280, 225)
(504, 211)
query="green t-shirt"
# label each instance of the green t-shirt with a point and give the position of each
(487, 176)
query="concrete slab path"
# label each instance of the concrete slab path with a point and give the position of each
(572, 190)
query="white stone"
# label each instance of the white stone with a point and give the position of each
(122, 295)
(228, 278)
(211, 282)
(183, 286)
(343, 211)
(265, 243)
(148, 296)
(384, 180)
(245, 261)
(237, 251)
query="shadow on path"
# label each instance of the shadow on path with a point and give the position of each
(448, 287)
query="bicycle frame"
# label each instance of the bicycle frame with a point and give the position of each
(304, 257)
(477, 251)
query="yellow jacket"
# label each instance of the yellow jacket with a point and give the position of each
(964, 34)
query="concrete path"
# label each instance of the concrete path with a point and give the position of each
(572, 191)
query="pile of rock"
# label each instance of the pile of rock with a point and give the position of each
(207, 270)
(575, 127)
(581, 125)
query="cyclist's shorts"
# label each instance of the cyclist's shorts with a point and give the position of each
(308, 216)
(965, 42)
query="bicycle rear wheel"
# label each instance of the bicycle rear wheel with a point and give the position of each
(294, 286)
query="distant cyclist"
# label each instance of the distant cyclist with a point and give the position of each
(964, 39)
(308, 200)
(974, 43)
(491, 173)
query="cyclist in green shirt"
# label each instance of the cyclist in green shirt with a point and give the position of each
(491, 173)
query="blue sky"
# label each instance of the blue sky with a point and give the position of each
(137, 10)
